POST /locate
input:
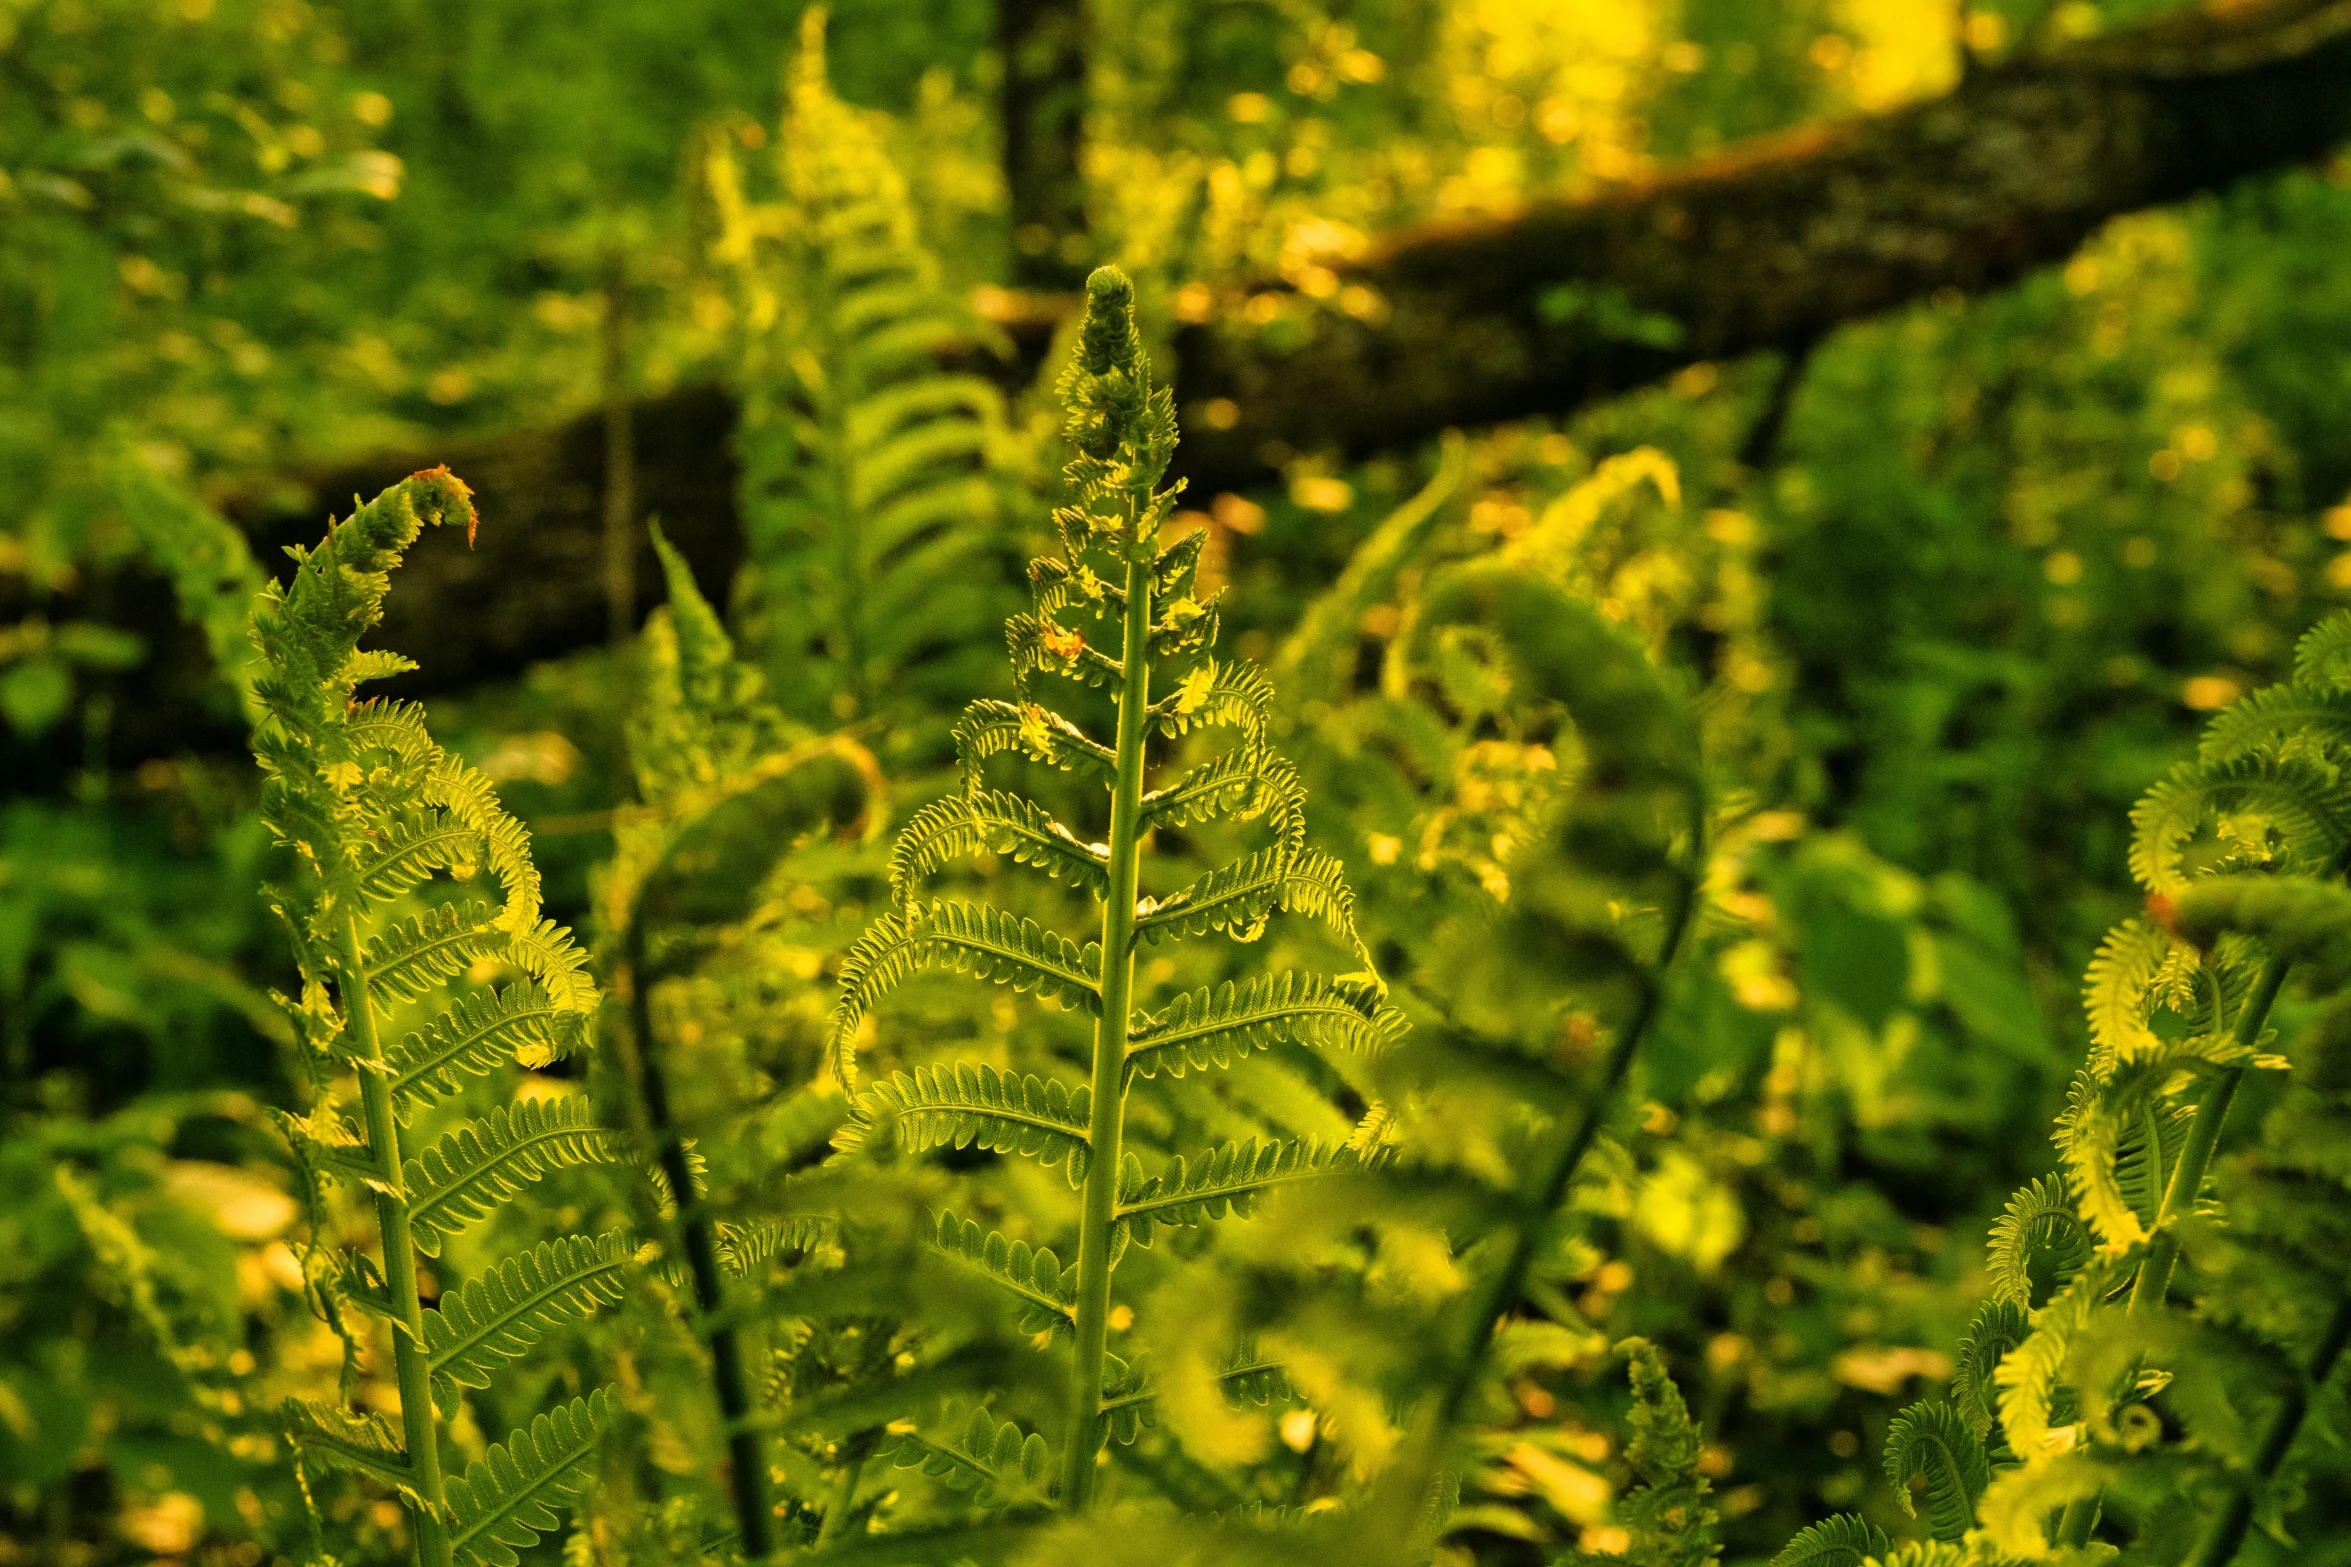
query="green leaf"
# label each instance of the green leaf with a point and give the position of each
(970, 938)
(1931, 1441)
(1842, 1541)
(410, 850)
(995, 1460)
(991, 728)
(964, 1105)
(1243, 784)
(509, 1497)
(481, 1165)
(1238, 898)
(992, 822)
(501, 1315)
(1047, 1290)
(1234, 695)
(418, 955)
(1998, 1327)
(365, 1444)
(2304, 800)
(1216, 1027)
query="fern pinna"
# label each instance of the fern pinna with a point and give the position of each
(376, 814)
(2168, 1313)
(1166, 682)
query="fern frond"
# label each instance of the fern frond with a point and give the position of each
(509, 1496)
(963, 1105)
(1931, 1441)
(2031, 1377)
(1216, 1027)
(365, 1444)
(1223, 1180)
(1244, 783)
(473, 1169)
(1843, 1541)
(418, 955)
(992, 822)
(2306, 802)
(2299, 918)
(743, 1247)
(2298, 712)
(2114, 993)
(2322, 658)
(1998, 1327)
(1219, 694)
(547, 952)
(1238, 898)
(2038, 1243)
(501, 1315)
(1047, 1290)
(970, 938)
(995, 1460)
(992, 728)
(415, 848)
(478, 1034)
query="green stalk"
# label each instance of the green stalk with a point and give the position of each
(2219, 1547)
(419, 1431)
(1110, 1048)
(1549, 1186)
(836, 1511)
(746, 1456)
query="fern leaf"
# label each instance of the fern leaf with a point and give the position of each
(744, 1247)
(2310, 805)
(1216, 1027)
(991, 728)
(2322, 658)
(1219, 694)
(2038, 1243)
(2031, 1376)
(1842, 1541)
(992, 821)
(365, 1444)
(478, 1034)
(1240, 785)
(965, 1105)
(1931, 1441)
(1047, 1290)
(415, 848)
(419, 954)
(2114, 993)
(473, 1169)
(993, 1459)
(1222, 1180)
(547, 953)
(509, 1496)
(2278, 713)
(501, 1315)
(1998, 1327)
(1238, 898)
(971, 938)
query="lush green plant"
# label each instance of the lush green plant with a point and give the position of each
(2167, 1315)
(372, 810)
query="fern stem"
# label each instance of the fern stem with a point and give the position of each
(1110, 1047)
(1550, 1186)
(2219, 1546)
(419, 1430)
(2151, 1285)
(836, 1509)
(746, 1455)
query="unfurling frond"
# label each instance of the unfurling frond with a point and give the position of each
(1216, 1027)
(970, 938)
(501, 1315)
(2322, 658)
(508, 1497)
(1843, 1541)
(363, 1443)
(1242, 784)
(2299, 711)
(1048, 1291)
(1932, 1442)
(1221, 694)
(2114, 993)
(1998, 1327)
(473, 1169)
(413, 848)
(992, 728)
(2038, 1244)
(995, 1460)
(1220, 1181)
(1238, 898)
(963, 1106)
(2305, 803)
(991, 822)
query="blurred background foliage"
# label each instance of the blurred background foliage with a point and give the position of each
(1953, 585)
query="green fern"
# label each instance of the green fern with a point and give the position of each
(874, 570)
(2103, 1378)
(1842, 1541)
(375, 813)
(1166, 682)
